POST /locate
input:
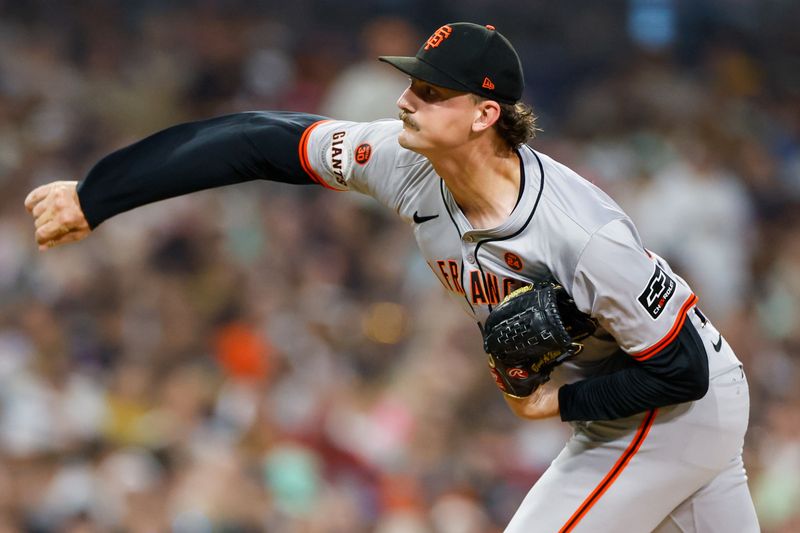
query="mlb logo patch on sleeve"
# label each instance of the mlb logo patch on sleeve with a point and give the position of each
(658, 292)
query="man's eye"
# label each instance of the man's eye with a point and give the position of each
(426, 92)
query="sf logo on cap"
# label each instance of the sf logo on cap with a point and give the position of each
(438, 36)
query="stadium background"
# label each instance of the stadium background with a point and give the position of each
(274, 358)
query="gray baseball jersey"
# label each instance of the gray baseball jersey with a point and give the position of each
(566, 229)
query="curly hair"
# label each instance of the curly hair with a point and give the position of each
(517, 123)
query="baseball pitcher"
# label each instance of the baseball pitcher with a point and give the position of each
(579, 319)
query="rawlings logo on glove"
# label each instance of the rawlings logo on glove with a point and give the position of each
(532, 331)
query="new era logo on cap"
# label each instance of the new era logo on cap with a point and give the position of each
(467, 57)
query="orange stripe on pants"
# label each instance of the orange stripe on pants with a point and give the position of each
(613, 474)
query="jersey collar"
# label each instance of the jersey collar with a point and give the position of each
(530, 184)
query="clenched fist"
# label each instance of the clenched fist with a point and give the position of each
(58, 216)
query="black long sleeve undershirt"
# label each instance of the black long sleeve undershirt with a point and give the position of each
(676, 374)
(196, 156)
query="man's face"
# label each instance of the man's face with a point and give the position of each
(435, 118)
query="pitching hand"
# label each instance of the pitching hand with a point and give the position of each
(57, 213)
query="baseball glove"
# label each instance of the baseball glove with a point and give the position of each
(532, 331)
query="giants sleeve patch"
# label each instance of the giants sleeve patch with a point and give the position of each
(658, 292)
(339, 157)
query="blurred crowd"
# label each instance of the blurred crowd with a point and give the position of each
(267, 357)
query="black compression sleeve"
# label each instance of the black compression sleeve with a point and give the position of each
(676, 374)
(195, 156)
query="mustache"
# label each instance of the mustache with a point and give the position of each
(407, 120)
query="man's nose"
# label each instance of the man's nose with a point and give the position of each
(405, 101)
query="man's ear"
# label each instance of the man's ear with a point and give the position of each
(487, 112)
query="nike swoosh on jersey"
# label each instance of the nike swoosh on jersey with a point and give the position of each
(420, 219)
(718, 345)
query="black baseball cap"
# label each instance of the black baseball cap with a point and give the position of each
(467, 57)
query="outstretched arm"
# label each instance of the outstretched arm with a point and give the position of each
(182, 159)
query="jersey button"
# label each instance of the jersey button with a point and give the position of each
(471, 259)
(468, 238)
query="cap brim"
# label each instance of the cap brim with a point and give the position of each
(416, 68)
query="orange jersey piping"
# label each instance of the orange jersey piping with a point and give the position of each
(302, 152)
(647, 353)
